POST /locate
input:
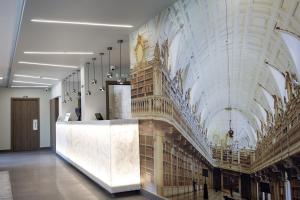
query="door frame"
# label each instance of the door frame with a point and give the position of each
(56, 112)
(12, 139)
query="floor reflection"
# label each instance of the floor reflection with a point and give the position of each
(42, 175)
(199, 196)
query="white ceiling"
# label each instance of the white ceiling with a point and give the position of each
(58, 37)
(10, 12)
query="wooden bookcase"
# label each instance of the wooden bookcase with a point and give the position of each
(167, 164)
(142, 82)
(245, 159)
(295, 186)
(147, 157)
(179, 167)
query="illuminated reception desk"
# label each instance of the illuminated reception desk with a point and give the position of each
(106, 151)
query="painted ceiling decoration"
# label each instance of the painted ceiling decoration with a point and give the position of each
(264, 61)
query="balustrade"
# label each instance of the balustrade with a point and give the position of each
(281, 140)
(237, 160)
(163, 108)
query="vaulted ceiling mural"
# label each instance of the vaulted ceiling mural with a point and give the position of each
(236, 57)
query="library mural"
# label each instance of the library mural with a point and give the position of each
(179, 94)
(176, 38)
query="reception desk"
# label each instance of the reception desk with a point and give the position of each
(106, 151)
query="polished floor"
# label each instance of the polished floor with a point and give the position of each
(43, 176)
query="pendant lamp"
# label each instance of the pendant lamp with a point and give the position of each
(120, 80)
(78, 84)
(73, 83)
(109, 74)
(69, 91)
(88, 92)
(64, 93)
(101, 88)
(94, 81)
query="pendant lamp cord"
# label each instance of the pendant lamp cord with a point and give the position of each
(121, 59)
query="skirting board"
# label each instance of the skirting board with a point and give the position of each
(111, 190)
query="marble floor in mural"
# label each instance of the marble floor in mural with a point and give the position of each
(199, 196)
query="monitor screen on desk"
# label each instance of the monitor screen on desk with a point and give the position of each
(98, 116)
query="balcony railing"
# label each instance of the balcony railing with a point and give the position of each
(162, 108)
(281, 141)
(236, 160)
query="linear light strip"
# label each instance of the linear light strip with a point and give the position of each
(36, 77)
(47, 64)
(26, 76)
(29, 86)
(58, 53)
(29, 82)
(49, 78)
(81, 23)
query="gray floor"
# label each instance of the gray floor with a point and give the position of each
(42, 176)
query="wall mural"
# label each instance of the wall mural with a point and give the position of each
(190, 39)
(173, 31)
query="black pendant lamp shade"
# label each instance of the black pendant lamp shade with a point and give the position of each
(109, 74)
(88, 92)
(94, 81)
(101, 88)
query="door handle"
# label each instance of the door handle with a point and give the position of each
(35, 125)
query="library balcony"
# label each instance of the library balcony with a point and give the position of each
(282, 140)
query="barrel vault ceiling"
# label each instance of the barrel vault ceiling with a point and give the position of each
(251, 40)
(213, 41)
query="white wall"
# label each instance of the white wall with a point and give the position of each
(56, 92)
(96, 103)
(69, 107)
(5, 115)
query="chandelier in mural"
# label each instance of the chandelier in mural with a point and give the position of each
(230, 131)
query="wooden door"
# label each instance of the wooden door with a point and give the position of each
(25, 124)
(54, 112)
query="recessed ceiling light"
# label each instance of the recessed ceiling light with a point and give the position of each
(29, 82)
(49, 78)
(58, 53)
(47, 64)
(81, 23)
(36, 77)
(26, 76)
(1, 78)
(29, 86)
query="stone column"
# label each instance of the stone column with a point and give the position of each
(158, 160)
(287, 190)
